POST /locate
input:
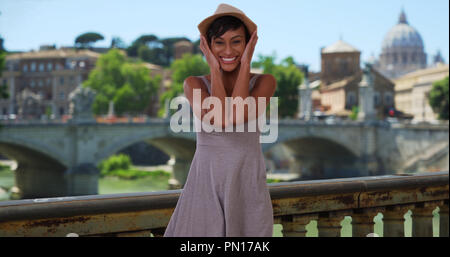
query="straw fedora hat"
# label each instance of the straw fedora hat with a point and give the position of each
(225, 9)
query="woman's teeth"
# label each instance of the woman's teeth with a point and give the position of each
(228, 59)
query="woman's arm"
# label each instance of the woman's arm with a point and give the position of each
(264, 88)
(240, 90)
(218, 90)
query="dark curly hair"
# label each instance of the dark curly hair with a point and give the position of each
(224, 23)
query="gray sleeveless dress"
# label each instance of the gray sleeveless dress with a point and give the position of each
(225, 194)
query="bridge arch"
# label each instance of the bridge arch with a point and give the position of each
(38, 173)
(28, 150)
(347, 141)
(180, 145)
(318, 146)
(316, 157)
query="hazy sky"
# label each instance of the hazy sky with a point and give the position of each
(288, 27)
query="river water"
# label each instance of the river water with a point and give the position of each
(106, 185)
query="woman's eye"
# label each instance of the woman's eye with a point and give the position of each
(219, 43)
(237, 42)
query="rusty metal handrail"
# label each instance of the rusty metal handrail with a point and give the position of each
(151, 210)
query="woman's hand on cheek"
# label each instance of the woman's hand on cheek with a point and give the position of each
(246, 58)
(210, 58)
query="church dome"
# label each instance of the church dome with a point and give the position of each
(340, 47)
(402, 50)
(402, 35)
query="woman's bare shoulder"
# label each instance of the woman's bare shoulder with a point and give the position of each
(265, 77)
(266, 81)
(268, 77)
(192, 81)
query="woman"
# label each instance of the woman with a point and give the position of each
(225, 193)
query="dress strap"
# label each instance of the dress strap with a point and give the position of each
(208, 86)
(253, 81)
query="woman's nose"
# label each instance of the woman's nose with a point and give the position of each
(228, 50)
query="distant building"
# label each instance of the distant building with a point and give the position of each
(412, 91)
(339, 60)
(438, 59)
(152, 109)
(402, 50)
(338, 98)
(182, 47)
(44, 78)
(340, 78)
(100, 50)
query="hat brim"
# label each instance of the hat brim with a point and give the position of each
(204, 25)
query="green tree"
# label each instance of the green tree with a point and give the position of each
(288, 77)
(196, 47)
(143, 40)
(150, 55)
(154, 50)
(48, 111)
(117, 42)
(115, 162)
(2, 61)
(169, 49)
(354, 114)
(438, 98)
(127, 84)
(3, 87)
(2, 49)
(266, 62)
(188, 65)
(86, 40)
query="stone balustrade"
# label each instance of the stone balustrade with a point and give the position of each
(295, 205)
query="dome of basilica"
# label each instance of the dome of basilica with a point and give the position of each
(402, 50)
(402, 35)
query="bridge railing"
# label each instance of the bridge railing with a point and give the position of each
(143, 119)
(295, 204)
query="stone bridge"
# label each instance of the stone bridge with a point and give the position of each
(61, 159)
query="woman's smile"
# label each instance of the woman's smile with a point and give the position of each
(228, 60)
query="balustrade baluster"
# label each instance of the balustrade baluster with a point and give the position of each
(443, 219)
(394, 220)
(295, 225)
(329, 223)
(422, 219)
(362, 222)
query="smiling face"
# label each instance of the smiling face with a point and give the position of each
(229, 48)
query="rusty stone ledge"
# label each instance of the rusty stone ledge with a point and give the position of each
(121, 213)
(95, 204)
(86, 205)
